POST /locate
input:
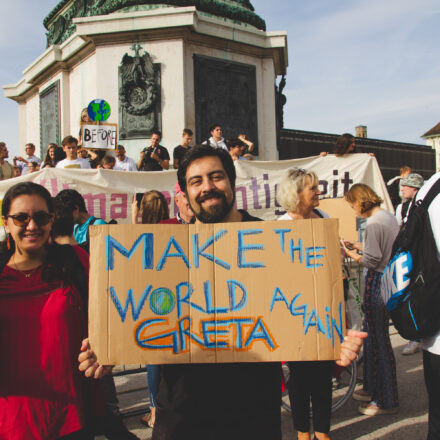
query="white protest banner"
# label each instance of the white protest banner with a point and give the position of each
(108, 194)
(100, 137)
(228, 292)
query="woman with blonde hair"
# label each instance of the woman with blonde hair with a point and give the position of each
(298, 193)
(153, 209)
(380, 384)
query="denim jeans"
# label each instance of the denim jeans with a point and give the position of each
(153, 382)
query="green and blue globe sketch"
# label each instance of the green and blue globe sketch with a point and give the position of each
(162, 301)
(99, 110)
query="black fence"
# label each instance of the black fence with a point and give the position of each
(390, 155)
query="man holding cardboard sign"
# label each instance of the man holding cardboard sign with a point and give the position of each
(214, 400)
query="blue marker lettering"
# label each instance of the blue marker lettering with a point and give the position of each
(232, 285)
(198, 252)
(135, 309)
(144, 343)
(242, 248)
(281, 232)
(148, 255)
(208, 300)
(259, 331)
(278, 295)
(298, 248)
(167, 253)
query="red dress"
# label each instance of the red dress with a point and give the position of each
(41, 329)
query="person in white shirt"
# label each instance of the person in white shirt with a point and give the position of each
(23, 162)
(431, 345)
(70, 147)
(216, 140)
(123, 162)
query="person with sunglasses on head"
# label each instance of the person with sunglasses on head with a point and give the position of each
(298, 193)
(43, 301)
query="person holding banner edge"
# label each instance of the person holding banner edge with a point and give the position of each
(238, 393)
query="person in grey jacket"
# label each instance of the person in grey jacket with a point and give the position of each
(380, 383)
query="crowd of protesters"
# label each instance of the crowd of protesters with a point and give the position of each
(154, 157)
(44, 271)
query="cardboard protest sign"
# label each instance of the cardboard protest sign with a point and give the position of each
(100, 137)
(340, 209)
(231, 292)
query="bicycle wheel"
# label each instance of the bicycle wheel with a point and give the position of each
(344, 383)
(343, 386)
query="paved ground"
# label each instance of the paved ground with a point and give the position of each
(347, 424)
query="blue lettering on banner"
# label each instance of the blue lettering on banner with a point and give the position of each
(147, 257)
(199, 251)
(242, 248)
(282, 232)
(167, 254)
(135, 308)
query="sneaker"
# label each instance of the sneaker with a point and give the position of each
(361, 396)
(411, 348)
(370, 409)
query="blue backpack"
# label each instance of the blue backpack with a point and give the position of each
(410, 283)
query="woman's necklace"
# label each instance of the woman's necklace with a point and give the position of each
(25, 274)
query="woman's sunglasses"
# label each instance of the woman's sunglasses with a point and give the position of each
(41, 218)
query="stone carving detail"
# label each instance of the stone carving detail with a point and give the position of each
(139, 95)
(60, 25)
(280, 102)
(225, 93)
(49, 117)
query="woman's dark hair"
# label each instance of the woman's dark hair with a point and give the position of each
(202, 151)
(59, 155)
(343, 144)
(58, 265)
(69, 199)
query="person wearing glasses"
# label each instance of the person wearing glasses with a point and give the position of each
(43, 293)
(298, 194)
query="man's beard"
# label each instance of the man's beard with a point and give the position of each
(216, 213)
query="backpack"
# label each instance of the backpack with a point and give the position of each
(86, 244)
(410, 283)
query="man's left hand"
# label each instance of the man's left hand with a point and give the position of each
(350, 347)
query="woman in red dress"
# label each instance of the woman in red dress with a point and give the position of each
(42, 323)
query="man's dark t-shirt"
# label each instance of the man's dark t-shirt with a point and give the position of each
(234, 401)
(150, 164)
(179, 152)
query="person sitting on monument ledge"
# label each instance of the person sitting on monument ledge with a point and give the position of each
(70, 147)
(123, 162)
(216, 140)
(155, 157)
(236, 148)
(233, 401)
(23, 162)
(345, 144)
(181, 150)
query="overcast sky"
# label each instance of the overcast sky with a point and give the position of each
(351, 62)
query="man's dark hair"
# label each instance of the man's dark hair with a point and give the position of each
(202, 151)
(158, 132)
(69, 199)
(63, 222)
(213, 126)
(30, 145)
(187, 131)
(69, 140)
(108, 160)
(234, 142)
(2, 144)
(343, 144)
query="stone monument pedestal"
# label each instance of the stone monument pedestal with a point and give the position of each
(203, 69)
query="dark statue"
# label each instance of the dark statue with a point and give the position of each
(139, 95)
(60, 26)
(280, 102)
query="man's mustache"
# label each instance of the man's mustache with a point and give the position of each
(209, 195)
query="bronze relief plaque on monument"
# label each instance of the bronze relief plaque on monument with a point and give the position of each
(226, 94)
(139, 95)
